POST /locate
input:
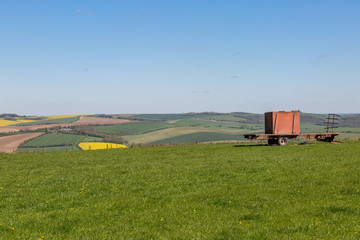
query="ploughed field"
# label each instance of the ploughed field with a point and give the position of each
(213, 191)
(9, 144)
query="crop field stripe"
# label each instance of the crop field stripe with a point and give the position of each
(99, 145)
(4, 123)
(134, 128)
(162, 117)
(50, 121)
(48, 149)
(215, 124)
(176, 131)
(9, 123)
(199, 137)
(57, 139)
(66, 116)
(167, 117)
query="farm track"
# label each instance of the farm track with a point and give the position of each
(81, 121)
(9, 144)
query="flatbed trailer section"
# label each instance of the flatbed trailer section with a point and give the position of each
(282, 139)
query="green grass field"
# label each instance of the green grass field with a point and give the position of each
(219, 191)
(55, 142)
(226, 117)
(199, 137)
(48, 149)
(59, 139)
(13, 133)
(159, 135)
(134, 128)
(215, 124)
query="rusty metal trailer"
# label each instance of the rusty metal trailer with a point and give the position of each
(281, 126)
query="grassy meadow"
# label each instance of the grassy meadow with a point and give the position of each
(214, 191)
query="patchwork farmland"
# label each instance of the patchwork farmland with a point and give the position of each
(55, 142)
(153, 129)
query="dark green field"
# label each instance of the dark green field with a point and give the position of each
(199, 137)
(133, 128)
(13, 133)
(215, 191)
(55, 142)
(48, 149)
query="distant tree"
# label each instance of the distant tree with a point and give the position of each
(11, 115)
(104, 116)
(92, 132)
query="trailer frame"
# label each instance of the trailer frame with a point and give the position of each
(282, 139)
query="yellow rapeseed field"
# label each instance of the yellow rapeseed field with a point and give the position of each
(99, 145)
(24, 121)
(8, 123)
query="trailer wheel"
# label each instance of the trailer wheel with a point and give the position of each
(282, 141)
(329, 139)
(272, 142)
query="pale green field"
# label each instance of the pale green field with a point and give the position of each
(173, 132)
(344, 132)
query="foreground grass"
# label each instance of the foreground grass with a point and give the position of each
(223, 191)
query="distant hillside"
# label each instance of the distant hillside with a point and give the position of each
(350, 120)
(149, 129)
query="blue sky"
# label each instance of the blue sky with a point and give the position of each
(152, 56)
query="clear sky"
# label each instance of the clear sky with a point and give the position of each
(174, 56)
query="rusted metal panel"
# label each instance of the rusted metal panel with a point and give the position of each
(282, 122)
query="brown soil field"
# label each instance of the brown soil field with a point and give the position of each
(9, 144)
(81, 121)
